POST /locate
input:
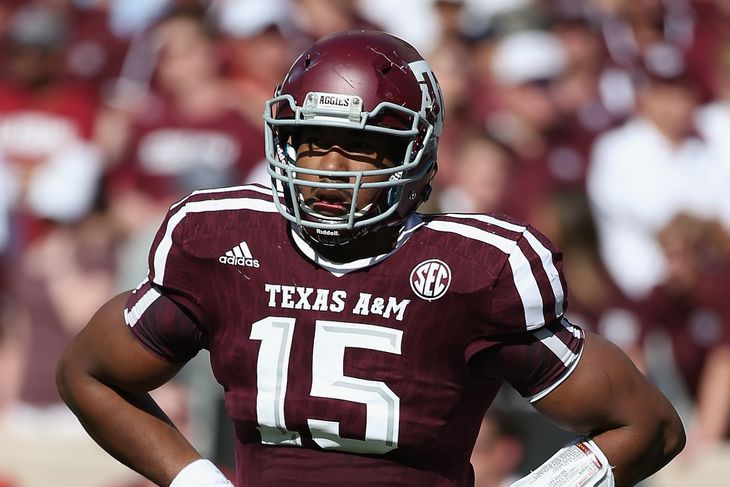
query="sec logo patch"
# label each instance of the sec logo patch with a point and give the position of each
(430, 279)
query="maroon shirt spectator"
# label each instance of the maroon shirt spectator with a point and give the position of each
(61, 280)
(35, 129)
(695, 323)
(92, 54)
(36, 125)
(690, 307)
(550, 150)
(45, 124)
(561, 165)
(186, 133)
(171, 155)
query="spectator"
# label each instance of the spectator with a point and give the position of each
(189, 135)
(451, 16)
(8, 188)
(588, 92)
(318, 18)
(45, 128)
(452, 59)
(482, 170)
(49, 175)
(257, 52)
(93, 53)
(414, 20)
(648, 170)
(631, 28)
(62, 276)
(688, 310)
(713, 119)
(549, 153)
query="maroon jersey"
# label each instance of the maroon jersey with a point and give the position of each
(695, 321)
(171, 155)
(35, 127)
(38, 126)
(366, 373)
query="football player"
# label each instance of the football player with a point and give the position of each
(358, 342)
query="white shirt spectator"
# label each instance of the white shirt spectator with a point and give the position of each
(713, 123)
(638, 180)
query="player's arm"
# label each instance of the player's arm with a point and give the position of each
(606, 397)
(104, 376)
(578, 380)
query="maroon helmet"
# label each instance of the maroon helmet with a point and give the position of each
(359, 80)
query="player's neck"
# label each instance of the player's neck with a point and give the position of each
(372, 244)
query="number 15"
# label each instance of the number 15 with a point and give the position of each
(331, 338)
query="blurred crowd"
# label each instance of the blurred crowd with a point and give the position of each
(603, 123)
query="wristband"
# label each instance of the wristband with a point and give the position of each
(580, 464)
(200, 473)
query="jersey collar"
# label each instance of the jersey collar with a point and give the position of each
(338, 269)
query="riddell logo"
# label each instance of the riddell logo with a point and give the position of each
(239, 255)
(430, 279)
(333, 233)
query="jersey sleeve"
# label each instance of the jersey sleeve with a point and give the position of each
(164, 312)
(529, 343)
(533, 363)
(529, 291)
(162, 326)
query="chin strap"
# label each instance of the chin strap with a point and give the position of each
(578, 464)
(330, 238)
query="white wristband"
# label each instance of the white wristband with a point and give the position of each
(580, 464)
(200, 473)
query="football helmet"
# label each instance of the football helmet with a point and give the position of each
(367, 81)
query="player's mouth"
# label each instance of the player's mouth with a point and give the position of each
(330, 202)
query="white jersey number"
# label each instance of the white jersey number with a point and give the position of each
(331, 338)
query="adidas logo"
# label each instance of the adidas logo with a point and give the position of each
(239, 255)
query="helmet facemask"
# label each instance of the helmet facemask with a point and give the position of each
(291, 181)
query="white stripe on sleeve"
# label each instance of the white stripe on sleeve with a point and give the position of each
(546, 257)
(132, 316)
(524, 279)
(567, 356)
(163, 249)
(555, 345)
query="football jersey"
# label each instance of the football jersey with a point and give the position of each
(362, 373)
